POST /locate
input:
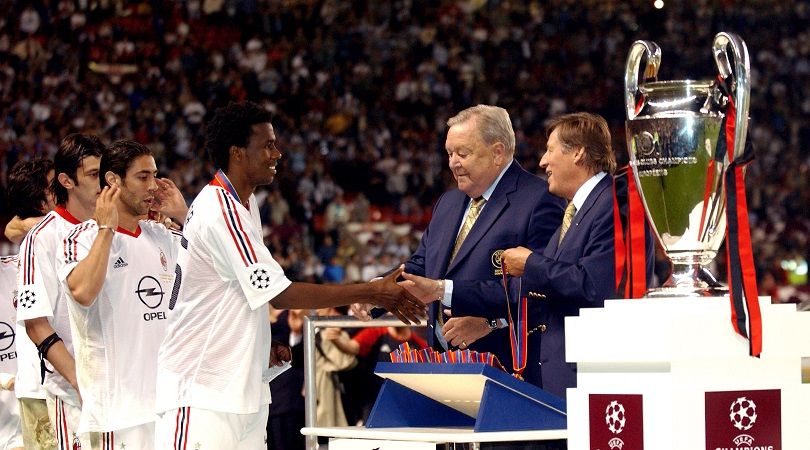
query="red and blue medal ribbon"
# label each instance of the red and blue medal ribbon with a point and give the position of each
(630, 254)
(745, 313)
(221, 180)
(518, 330)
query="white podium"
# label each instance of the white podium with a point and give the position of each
(671, 352)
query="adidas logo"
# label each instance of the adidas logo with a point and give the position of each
(119, 263)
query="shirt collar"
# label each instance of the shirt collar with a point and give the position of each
(585, 190)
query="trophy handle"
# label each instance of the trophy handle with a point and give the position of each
(740, 73)
(638, 51)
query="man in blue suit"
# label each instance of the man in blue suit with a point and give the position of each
(496, 206)
(576, 269)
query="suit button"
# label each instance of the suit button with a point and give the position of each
(541, 328)
(533, 294)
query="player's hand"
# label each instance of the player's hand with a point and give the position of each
(515, 260)
(106, 211)
(425, 289)
(362, 311)
(169, 200)
(279, 354)
(393, 297)
(7, 382)
(461, 332)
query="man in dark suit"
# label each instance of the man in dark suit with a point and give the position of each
(576, 269)
(496, 206)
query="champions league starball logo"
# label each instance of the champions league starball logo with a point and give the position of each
(615, 420)
(260, 279)
(743, 415)
(26, 298)
(613, 415)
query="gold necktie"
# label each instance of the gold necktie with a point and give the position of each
(570, 212)
(469, 221)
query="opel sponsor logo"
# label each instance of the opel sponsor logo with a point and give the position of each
(6, 336)
(150, 292)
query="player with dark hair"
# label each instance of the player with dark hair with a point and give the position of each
(41, 306)
(29, 190)
(213, 364)
(24, 410)
(119, 273)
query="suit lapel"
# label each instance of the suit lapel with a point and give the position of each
(445, 231)
(497, 202)
(582, 213)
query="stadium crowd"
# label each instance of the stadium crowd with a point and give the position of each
(360, 92)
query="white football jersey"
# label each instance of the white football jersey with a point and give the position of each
(9, 407)
(116, 338)
(27, 383)
(217, 348)
(39, 293)
(8, 314)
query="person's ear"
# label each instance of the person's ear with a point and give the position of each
(499, 153)
(579, 156)
(112, 179)
(236, 153)
(65, 181)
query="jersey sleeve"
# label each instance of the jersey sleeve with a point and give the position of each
(37, 280)
(75, 247)
(240, 254)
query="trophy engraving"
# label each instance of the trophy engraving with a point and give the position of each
(674, 133)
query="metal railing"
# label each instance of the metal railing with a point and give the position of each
(311, 324)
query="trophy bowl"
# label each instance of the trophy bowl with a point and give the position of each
(674, 134)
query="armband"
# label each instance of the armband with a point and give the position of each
(43, 348)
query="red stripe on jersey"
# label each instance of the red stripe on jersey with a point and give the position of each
(185, 435)
(252, 252)
(230, 230)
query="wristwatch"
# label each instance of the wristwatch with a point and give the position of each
(493, 324)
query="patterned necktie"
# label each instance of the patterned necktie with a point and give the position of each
(469, 221)
(570, 212)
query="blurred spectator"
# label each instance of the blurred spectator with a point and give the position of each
(331, 358)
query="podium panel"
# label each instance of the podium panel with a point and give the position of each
(452, 395)
(681, 353)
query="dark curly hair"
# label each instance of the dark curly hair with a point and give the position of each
(72, 150)
(232, 126)
(28, 187)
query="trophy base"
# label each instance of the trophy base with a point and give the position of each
(689, 280)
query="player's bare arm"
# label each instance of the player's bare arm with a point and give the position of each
(38, 330)
(87, 278)
(17, 228)
(385, 293)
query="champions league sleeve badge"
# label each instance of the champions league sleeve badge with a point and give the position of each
(26, 298)
(260, 278)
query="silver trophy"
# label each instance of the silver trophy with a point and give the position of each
(673, 128)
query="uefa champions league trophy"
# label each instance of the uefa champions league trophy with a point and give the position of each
(673, 132)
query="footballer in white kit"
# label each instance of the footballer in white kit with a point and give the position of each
(229, 371)
(40, 294)
(119, 273)
(215, 362)
(116, 338)
(10, 430)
